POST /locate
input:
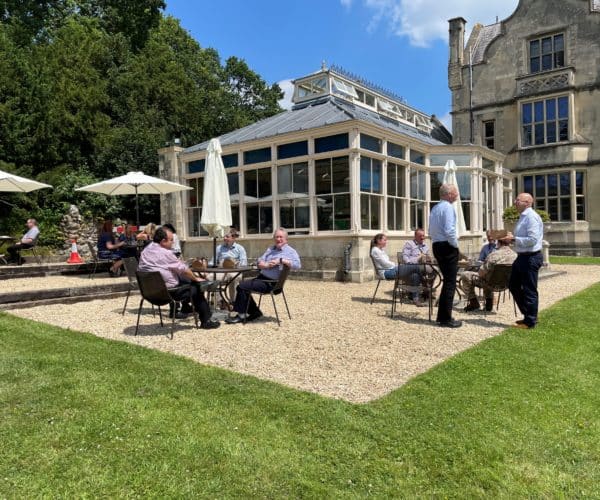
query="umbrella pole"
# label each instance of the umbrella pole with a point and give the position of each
(137, 208)
(215, 252)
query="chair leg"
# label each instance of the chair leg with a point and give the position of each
(125, 305)
(160, 316)
(138, 318)
(286, 304)
(375, 292)
(275, 307)
(175, 304)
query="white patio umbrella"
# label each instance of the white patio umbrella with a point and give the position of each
(134, 183)
(12, 183)
(450, 178)
(216, 206)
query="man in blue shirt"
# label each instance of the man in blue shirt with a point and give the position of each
(442, 230)
(488, 248)
(529, 233)
(270, 264)
(28, 240)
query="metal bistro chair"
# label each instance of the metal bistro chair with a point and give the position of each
(130, 264)
(403, 285)
(379, 280)
(32, 250)
(154, 290)
(498, 281)
(95, 259)
(276, 290)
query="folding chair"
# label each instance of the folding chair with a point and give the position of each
(130, 264)
(95, 259)
(153, 289)
(276, 290)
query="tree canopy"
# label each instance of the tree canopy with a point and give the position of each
(90, 89)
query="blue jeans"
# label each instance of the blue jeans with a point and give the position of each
(523, 285)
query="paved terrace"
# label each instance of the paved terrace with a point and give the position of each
(336, 344)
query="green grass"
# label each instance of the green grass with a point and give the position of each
(559, 259)
(516, 416)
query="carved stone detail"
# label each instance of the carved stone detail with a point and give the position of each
(541, 84)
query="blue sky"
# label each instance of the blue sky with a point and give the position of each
(401, 45)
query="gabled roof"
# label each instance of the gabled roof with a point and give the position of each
(484, 38)
(319, 113)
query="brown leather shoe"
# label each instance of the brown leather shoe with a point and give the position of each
(418, 303)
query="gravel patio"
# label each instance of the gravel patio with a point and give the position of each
(336, 345)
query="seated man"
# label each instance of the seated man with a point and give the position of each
(416, 251)
(230, 249)
(469, 279)
(270, 264)
(157, 256)
(26, 241)
(488, 248)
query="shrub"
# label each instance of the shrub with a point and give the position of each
(510, 214)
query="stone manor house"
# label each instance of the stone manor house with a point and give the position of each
(350, 159)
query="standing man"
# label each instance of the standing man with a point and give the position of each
(442, 229)
(158, 256)
(270, 264)
(529, 232)
(27, 241)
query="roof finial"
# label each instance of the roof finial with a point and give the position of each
(323, 65)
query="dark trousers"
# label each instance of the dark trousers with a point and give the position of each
(194, 295)
(243, 297)
(447, 259)
(523, 285)
(14, 250)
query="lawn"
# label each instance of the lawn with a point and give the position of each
(515, 416)
(565, 259)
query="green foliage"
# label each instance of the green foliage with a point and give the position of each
(511, 214)
(90, 89)
(514, 417)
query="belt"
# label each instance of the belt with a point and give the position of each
(529, 254)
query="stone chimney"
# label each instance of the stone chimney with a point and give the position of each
(456, 59)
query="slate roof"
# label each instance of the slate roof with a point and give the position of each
(486, 35)
(326, 111)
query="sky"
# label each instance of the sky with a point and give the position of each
(400, 45)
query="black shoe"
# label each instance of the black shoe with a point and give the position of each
(178, 315)
(186, 309)
(473, 305)
(489, 305)
(450, 324)
(254, 316)
(233, 321)
(210, 324)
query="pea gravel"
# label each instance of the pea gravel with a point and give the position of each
(336, 344)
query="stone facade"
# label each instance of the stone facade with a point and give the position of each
(517, 93)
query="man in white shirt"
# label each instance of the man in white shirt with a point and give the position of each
(28, 240)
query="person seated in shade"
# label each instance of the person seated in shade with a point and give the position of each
(270, 264)
(386, 269)
(176, 248)
(469, 279)
(147, 234)
(109, 248)
(26, 241)
(232, 250)
(158, 256)
(488, 248)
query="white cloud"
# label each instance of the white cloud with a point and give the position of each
(346, 3)
(424, 21)
(288, 91)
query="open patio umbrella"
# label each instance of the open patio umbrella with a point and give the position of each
(450, 178)
(134, 183)
(14, 184)
(216, 206)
